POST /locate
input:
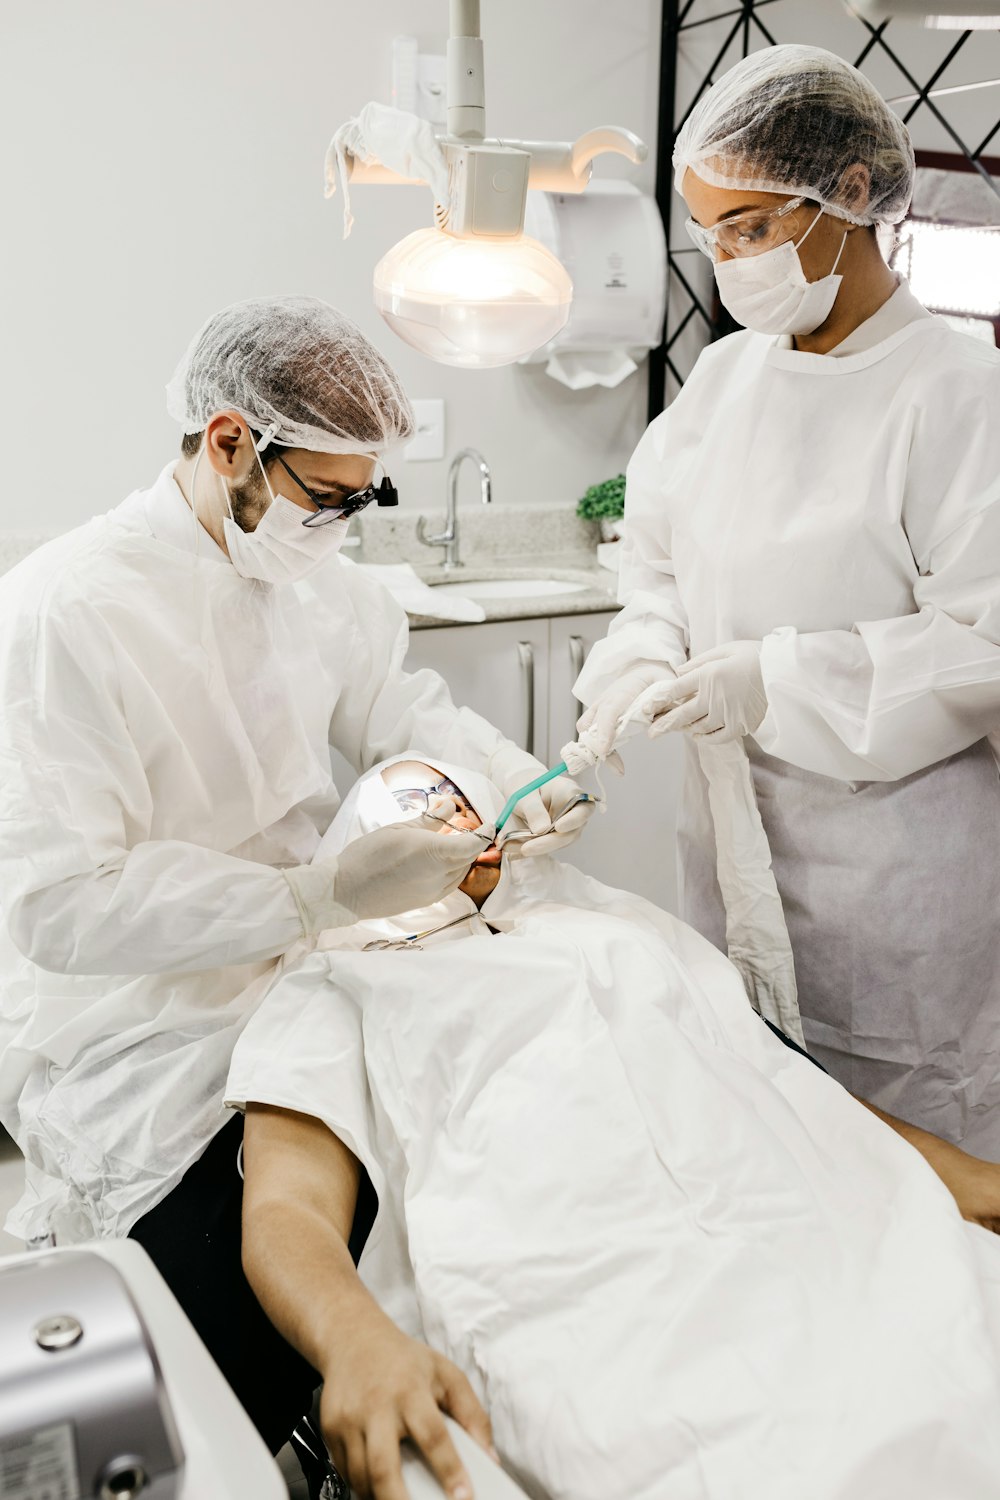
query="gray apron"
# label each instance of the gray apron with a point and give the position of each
(891, 893)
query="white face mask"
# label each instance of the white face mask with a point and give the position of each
(280, 549)
(770, 294)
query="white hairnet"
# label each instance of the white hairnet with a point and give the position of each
(793, 119)
(371, 805)
(299, 372)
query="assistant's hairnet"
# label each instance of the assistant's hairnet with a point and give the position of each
(299, 372)
(794, 119)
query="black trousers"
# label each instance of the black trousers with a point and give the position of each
(794, 1045)
(194, 1239)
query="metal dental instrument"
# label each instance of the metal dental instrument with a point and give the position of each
(488, 835)
(413, 939)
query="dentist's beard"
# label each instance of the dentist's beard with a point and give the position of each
(249, 500)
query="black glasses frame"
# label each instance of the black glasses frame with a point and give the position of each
(326, 510)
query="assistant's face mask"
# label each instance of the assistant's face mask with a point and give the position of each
(280, 549)
(770, 294)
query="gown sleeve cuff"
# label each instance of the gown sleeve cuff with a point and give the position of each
(777, 654)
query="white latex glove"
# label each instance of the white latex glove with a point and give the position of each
(397, 868)
(600, 722)
(545, 820)
(719, 694)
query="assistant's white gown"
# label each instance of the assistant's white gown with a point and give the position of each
(165, 733)
(676, 1260)
(844, 509)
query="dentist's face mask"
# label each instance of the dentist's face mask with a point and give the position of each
(280, 549)
(770, 294)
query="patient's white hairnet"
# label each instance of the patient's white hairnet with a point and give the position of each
(370, 804)
(299, 372)
(794, 119)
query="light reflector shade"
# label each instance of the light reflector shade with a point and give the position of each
(952, 267)
(476, 303)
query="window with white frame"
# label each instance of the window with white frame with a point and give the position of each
(949, 247)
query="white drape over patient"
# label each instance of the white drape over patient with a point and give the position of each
(669, 1251)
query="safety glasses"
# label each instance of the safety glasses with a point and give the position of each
(415, 800)
(327, 509)
(750, 234)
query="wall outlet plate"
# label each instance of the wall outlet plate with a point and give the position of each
(429, 440)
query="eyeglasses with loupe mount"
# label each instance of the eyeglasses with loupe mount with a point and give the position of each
(384, 493)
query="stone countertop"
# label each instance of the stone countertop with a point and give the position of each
(501, 541)
(596, 594)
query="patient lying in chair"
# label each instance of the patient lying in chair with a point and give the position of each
(668, 1256)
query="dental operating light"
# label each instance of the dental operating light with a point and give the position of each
(474, 290)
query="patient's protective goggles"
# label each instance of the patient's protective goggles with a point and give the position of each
(414, 801)
(329, 509)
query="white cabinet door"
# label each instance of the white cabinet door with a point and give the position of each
(633, 844)
(498, 669)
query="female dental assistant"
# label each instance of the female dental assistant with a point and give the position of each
(812, 559)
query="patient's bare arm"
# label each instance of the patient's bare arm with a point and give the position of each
(974, 1184)
(379, 1386)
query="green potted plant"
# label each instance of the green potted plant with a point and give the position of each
(605, 502)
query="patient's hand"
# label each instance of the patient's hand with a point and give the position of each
(382, 1387)
(299, 1198)
(974, 1184)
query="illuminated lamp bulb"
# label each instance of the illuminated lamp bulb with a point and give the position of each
(477, 302)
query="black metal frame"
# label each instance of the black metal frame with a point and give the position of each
(746, 27)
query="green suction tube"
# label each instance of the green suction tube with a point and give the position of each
(532, 786)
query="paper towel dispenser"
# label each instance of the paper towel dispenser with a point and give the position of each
(611, 241)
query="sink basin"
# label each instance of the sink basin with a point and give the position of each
(510, 588)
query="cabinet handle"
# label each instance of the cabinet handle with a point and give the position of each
(576, 667)
(526, 657)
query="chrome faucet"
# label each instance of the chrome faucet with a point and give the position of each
(448, 538)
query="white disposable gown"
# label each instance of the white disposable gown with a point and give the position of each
(165, 733)
(844, 509)
(676, 1260)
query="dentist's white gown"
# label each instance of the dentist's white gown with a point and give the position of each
(165, 733)
(844, 509)
(675, 1259)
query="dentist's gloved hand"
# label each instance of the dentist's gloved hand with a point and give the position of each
(599, 723)
(719, 693)
(545, 820)
(396, 868)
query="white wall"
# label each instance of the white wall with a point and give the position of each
(164, 157)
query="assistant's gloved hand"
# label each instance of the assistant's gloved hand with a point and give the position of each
(718, 693)
(397, 868)
(551, 817)
(600, 721)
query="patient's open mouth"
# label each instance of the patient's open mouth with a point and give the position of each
(491, 855)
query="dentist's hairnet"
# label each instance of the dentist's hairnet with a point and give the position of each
(299, 372)
(793, 119)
